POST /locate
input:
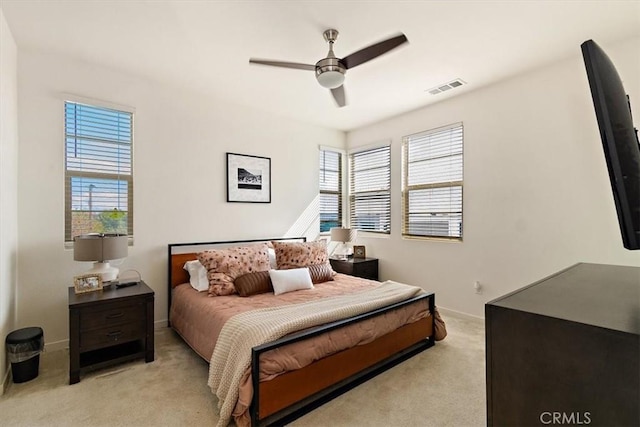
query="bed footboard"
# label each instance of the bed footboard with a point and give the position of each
(295, 393)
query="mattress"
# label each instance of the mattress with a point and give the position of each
(199, 318)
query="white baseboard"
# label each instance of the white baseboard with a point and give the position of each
(56, 345)
(5, 381)
(445, 310)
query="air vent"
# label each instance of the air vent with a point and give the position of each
(447, 86)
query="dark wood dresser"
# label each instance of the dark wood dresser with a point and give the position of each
(566, 350)
(367, 268)
(109, 326)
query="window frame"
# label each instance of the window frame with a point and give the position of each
(339, 192)
(406, 188)
(352, 196)
(69, 174)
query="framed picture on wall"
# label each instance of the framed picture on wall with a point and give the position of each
(248, 178)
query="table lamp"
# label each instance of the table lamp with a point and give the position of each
(344, 236)
(101, 248)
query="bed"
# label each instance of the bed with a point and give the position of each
(291, 374)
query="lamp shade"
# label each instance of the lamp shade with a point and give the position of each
(343, 234)
(99, 247)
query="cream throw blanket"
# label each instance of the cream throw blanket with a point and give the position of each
(232, 354)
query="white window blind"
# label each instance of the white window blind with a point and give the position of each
(370, 190)
(330, 190)
(98, 170)
(432, 183)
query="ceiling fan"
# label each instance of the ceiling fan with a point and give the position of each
(330, 71)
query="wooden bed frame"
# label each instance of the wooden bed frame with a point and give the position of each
(291, 395)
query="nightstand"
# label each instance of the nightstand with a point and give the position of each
(367, 268)
(109, 326)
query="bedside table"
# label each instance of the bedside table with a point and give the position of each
(109, 326)
(367, 268)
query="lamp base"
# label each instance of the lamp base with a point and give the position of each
(107, 272)
(342, 251)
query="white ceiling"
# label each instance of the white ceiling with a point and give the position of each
(206, 45)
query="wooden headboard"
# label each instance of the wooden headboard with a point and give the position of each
(177, 273)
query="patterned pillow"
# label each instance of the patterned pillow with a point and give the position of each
(225, 265)
(300, 254)
(255, 283)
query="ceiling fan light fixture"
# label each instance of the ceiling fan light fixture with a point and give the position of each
(330, 72)
(331, 79)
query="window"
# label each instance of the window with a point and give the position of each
(432, 183)
(98, 170)
(330, 190)
(370, 189)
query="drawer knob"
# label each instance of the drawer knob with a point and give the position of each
(115, 315)
(114, 335)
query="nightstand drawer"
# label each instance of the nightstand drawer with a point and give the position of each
(367, 268)
(111, 335)
(342, 267)
(112, 314)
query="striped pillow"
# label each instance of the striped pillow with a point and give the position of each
(255, 283)
(321, 273)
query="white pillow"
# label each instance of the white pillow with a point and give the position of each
(290, 280)
(272, 259)
(198, 275)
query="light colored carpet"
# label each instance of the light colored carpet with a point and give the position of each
(442, 386)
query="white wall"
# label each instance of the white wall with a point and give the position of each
(537, 196)
(180, 143)
(8, 187)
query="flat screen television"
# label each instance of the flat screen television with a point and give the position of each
(619, 139)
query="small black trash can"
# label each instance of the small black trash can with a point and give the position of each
(23, 348)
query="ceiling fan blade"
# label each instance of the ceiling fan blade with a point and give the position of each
(373, 51)
(339, 96)
(283, 64)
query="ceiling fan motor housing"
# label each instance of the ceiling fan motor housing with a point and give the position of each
(330, 72)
